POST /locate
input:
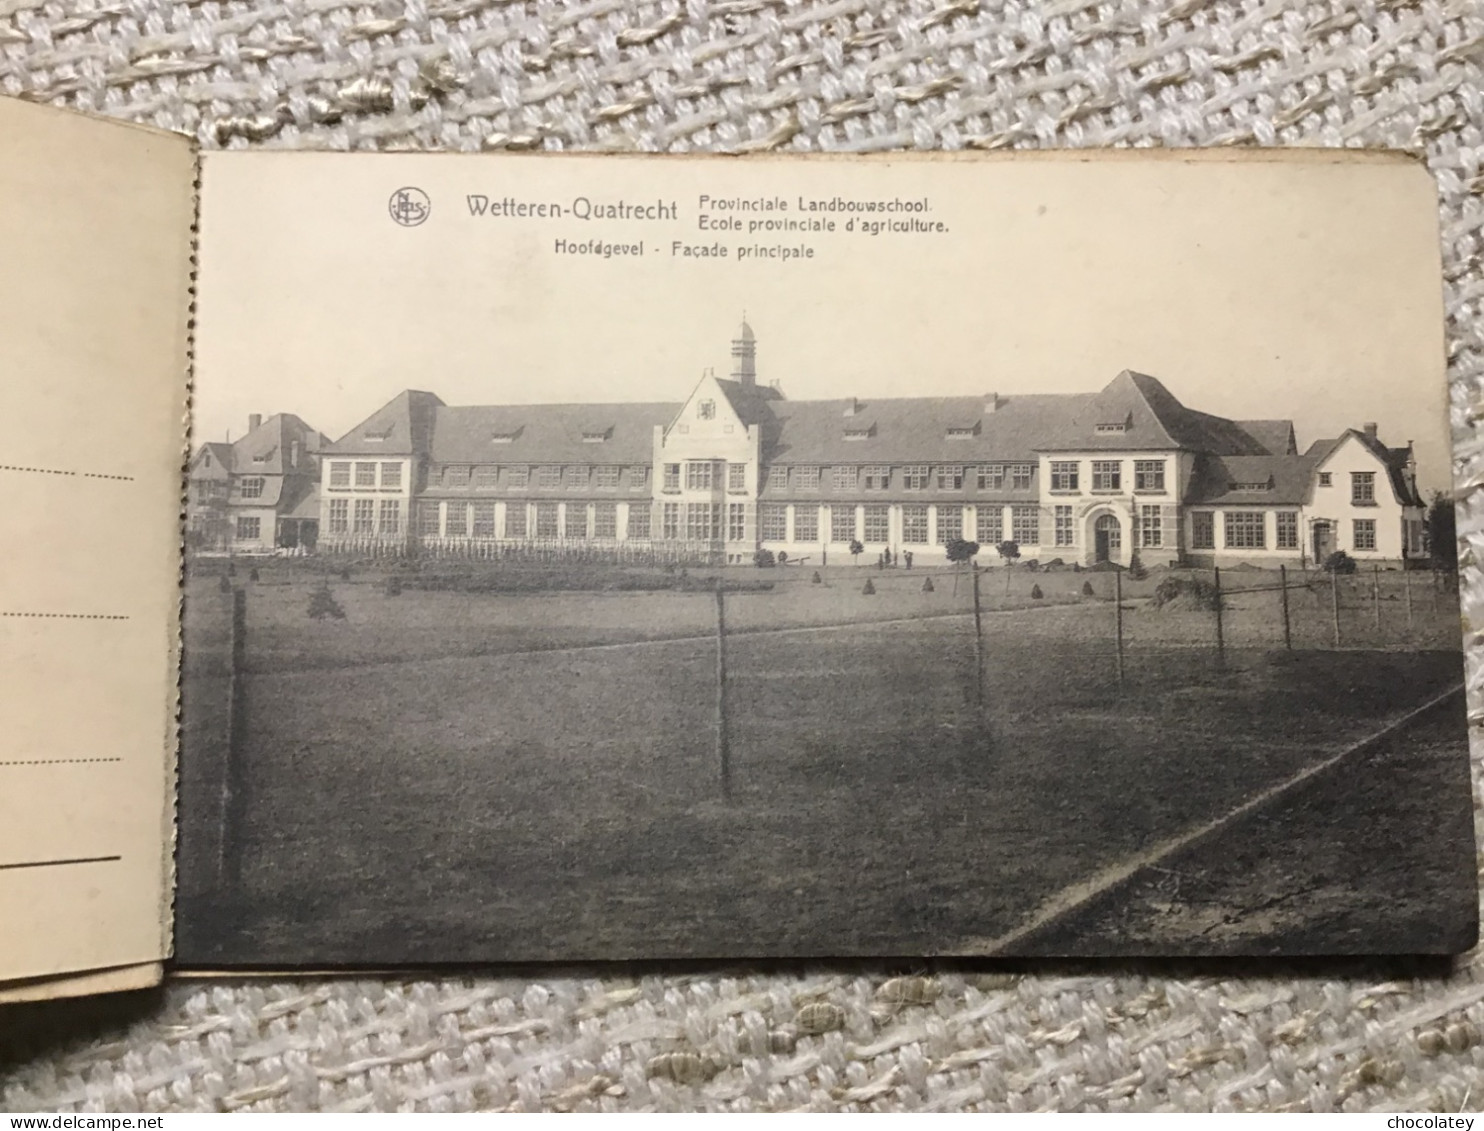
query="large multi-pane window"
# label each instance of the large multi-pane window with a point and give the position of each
(340, 474)
(915, 477)
(843, 478)
(518, 476)
(639, 521)
(1107, 475)
(389, 520)
(701, 521)
(877, 477)
(252, 487)
(1064, 531)
(391, 477)
(365, 475)
(806, 524)
(736, 477)
(915, 525)
(548, 478)
(574, 525)
(671, 481)
(364, 520)
(605, 520)
(578, 475)
(1151, 525)
(515, 520)
(487, 476)
(950, 524)
(484, 520)
(452, 476)
(991, 476)
(991, 523)
(1202, 531)
(699, 476)
(1245, 530)
(806, 478)
(1064, 478)
(1363, 488)
(1365, 534)
(736, 520)
(670, 519)
(605, 478)
(249, 529)
(1025, 525)
(1287, 530)
(842, 524)
(1149, 475)
(339, 516)
(1021, 475)
(456, 520)
(639, 477)
(950, 478)
(877, 524)
(428, 519)
(546, 520)
(774, 518)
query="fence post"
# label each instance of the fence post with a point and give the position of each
(1407, 586)
(1283, 589)
(1118, 619)
(723, 750)
(1376, 593)
(978, 650)
(1220, 634)
(1334, 602)
(229, 862)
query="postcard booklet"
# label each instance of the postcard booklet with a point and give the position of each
(418, 559)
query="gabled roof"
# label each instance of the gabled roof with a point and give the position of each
(1395, 460)
(300, 499)
(401, 427)
(212, 461)
(1228, 479)
(266, 450)
(550, 433)
(1275, 436)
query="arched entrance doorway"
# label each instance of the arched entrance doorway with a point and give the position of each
(1107, 538)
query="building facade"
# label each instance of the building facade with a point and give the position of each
(259, 494)
(737, 467)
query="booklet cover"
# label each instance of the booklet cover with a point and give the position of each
(595, 558)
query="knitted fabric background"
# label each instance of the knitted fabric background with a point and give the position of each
(745, 75)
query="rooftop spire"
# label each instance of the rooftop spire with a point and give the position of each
(744, 356)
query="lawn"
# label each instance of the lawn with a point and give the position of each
(423, 786)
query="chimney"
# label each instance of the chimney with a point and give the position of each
(744, 357)
(991, 403)
(852, 406)
(1370, 429)
(254, 420)
(294, 453)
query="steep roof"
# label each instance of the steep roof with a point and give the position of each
(300, 499)
(265, 450)
(213, 460)
(1237, 479)
(401, 427)
(1275, 436)
(551, 433)
(1395, 460)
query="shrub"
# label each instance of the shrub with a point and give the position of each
(322, 604)
(1009, 550)
(1178, 593)
(224, 583)
(816, 579)
(1087, 590)
(927, 584)
(252, 574)
(1339, 562)
(1036, 593)
(961, 550)
(856, 549)
(764, 559)
(1136, 570)
(869, 590)
(393, 586)
(782, 556)
(345, 574)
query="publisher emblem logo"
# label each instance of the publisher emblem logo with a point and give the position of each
(409, 206)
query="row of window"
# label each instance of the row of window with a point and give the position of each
(1247, 530)
(909, 477)
(1107, 475)
(366, 474)
(872, 525)
(1362, 487)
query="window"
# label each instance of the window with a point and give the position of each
(1203, 531)
(546, 520)
(1107, 429)
(806, 478)
(963, 432)
(1244, 530)
(698, 475)
(515, 520)
(508, 436)
(578, 476)
(484, 520)
(701, 521)
(863, 433)
(843, 478)
(775, 522)
(736, 520)
(339, 474)
(842, 524)
(1414, 536)
(706, 410)
(950, 478)
(878, 524)
(736, 477)
(1287, 530)
(1365, 533)
(548, 478)
(574, 524)
(364, 521)
(339, 516)
(1025, 525)
(1064, 478)
(389, 521)
(915, 477)
(428, 519)
(639, 518)
(1107, 475)
(950, 524)
(456, 520)
(605, 478)
(806, 524)
(672, 477)
(1064, 530)
(252, 487)
(518, 476)
(1325, 479)
(487, 476)
(639, 477)
(391, 477)
(915, 523)
(365, 475)
(605, 520)
(596, 435)
(670, 518)
(1020, 476)
(991, 477)
(991, 522)
(1363, 488)
(1149, 475)
(249, 528)
(877, 478)
(1151, 526)
(452, 476)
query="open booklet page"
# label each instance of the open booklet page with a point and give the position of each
(597, 558)
(95, 270)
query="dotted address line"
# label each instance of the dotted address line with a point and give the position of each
(67, 616)
(58, 471)
(58, 761)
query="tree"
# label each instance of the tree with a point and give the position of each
(856, 550)
(1136, 570)
(961, 550)
(1008, 550)
(1442, 533)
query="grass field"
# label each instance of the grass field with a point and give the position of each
(446, 776)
